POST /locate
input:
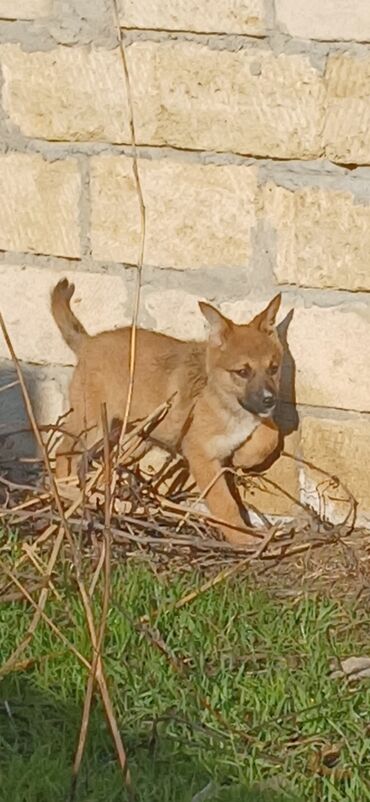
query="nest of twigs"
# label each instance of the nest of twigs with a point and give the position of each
(157, 512)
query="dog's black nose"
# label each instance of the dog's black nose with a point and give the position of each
(268, 400)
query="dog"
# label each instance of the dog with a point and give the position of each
(224, 393)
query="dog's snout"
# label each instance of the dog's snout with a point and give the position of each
(268, 399)
(262, 403)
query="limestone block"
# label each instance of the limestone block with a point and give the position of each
(346, 133)
(322, 237)
(69, 93)
(191, 96)
(47, 389)
(115, 211)
(340, 447)
(175, 313)
(331, 349)
(39, 205)
(99, 301)
(196, 215)
(25, 9)
(223, 16)
(324, 19)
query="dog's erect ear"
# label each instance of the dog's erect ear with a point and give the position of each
(220, 326)
(265, 321)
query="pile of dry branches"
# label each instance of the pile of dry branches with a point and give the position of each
(157, 511)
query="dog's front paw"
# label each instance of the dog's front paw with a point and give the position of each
(242, 540)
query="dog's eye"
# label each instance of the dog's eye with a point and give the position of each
(273, 369)
(244, 373)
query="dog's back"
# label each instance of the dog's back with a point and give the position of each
(103, 370)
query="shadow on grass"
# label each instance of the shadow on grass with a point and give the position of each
(38, 735)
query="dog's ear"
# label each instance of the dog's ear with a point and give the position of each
(265, 321)
(220, 326)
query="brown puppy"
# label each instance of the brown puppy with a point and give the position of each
(225, 393)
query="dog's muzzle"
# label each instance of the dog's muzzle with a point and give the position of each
(261, 404)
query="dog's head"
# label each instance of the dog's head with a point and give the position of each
(244, 362)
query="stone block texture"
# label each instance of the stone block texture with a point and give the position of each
(346, 132)
(239, 16)
(245, 101)
(252, 146)
(25, 303)
(196, 215)
(39, 205)
(322, 237)
(331, 348)
(174, 312)
(329, 20)
(47, 387)
(341, 448)
(25, 9)
(72, 94)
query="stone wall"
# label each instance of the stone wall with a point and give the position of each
(253, 127)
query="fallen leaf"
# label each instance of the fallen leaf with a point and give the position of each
(325, 761)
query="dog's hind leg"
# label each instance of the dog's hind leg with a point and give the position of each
(79, 437)
(83, 426)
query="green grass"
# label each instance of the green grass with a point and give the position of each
(262, 664)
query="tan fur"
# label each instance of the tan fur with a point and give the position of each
(216, 413)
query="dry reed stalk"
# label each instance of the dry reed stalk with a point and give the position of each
(81, 585)
(43, 615)
(172, 507)
(39, 608)
(167, 539)
(140, 260)
(226, 573)
(35, 560)
(25, 504)
(8, 386)
(106, 552)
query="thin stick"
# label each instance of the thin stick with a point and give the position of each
(83, 593)
(43, 615)
(106, 551)
(8, 386)
(41, 569)
(140, 196)
(39, 608)
(167, 540)
(202, 496)
(226, 573)
(171, 506)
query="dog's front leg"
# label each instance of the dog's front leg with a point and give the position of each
(263, 443)
(211, 481)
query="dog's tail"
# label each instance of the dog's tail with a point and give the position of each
(70, 327)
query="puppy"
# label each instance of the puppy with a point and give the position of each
(225, 392)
